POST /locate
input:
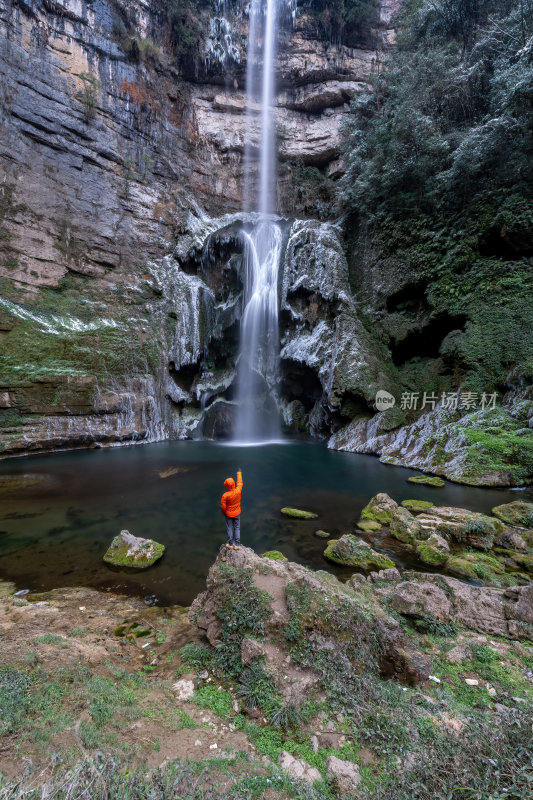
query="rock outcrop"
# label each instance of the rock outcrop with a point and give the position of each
(497, 612)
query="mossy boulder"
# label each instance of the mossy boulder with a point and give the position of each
(350, 551)
(274, 555)
(434, 551)
(298, 513)
(427, 480)
(463, 526)
(404, 526)
(484, 567)
(322, 534)
(416, 506)
(380, 508)
(516, 513)
(369, 525)
(132, 551)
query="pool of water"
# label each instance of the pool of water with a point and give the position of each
(54, 532)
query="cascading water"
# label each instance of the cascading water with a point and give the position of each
(257, 416)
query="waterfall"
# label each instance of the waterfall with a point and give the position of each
(257, 414)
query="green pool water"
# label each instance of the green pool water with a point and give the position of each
(55, 530)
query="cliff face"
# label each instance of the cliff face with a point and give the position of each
(104, 154)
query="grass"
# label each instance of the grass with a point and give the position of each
(219, 701)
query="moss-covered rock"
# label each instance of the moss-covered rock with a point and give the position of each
(131, 551)
(322, 534)
(274, 555)
(516, 513)
(484, 567)
(369, 525)
(427, 480)
(434, 551)
(467, 527)
(417, 505)
(298, 513)
(351, 551)
(379, 508)
(404, 526)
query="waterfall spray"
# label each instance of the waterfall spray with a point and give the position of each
(257, 417)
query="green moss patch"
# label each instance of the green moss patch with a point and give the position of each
(369, 525)
(148, 554)
(322, 534)
(416, 505)
(430, 555)
(427, 480)
(274, 555)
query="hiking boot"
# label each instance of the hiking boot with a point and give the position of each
(235, 546)
(229, 546)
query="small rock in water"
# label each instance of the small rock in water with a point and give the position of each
(298, 513)
(127, 550)
(150, 600)
(322, 534)
(427, 480)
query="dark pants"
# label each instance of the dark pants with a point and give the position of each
(233, 529)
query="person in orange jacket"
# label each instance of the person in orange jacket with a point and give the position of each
(230, 505)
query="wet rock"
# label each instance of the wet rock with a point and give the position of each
(511, 540)
(344, 774)
(434, 551)
(421, 600)
(515, 513)
(127, 550)
(322, 534)
(354, 552)
(379, 508)
(404, 526)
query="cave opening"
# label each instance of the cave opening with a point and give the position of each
(299, 382)
(426, 342)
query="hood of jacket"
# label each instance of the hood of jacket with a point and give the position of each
(229, 483)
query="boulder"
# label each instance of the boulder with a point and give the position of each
(434, 551)
(404, 526)
(386, 575)
(379, 508)
(511, 540)
(496, 612)
(127, 550)
(485, 567)
(298, 768)
(344, 774)
(421, 600)
(515, 513)
(184, 689)
(351, 551)
(297, 513)
(468, 527)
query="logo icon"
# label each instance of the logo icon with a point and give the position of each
(384, 400)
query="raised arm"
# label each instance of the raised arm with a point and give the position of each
(239, 480)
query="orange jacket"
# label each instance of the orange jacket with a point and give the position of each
(230, 502)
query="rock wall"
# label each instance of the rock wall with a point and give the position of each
(103, 156)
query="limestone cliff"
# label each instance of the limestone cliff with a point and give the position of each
(107, 144)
